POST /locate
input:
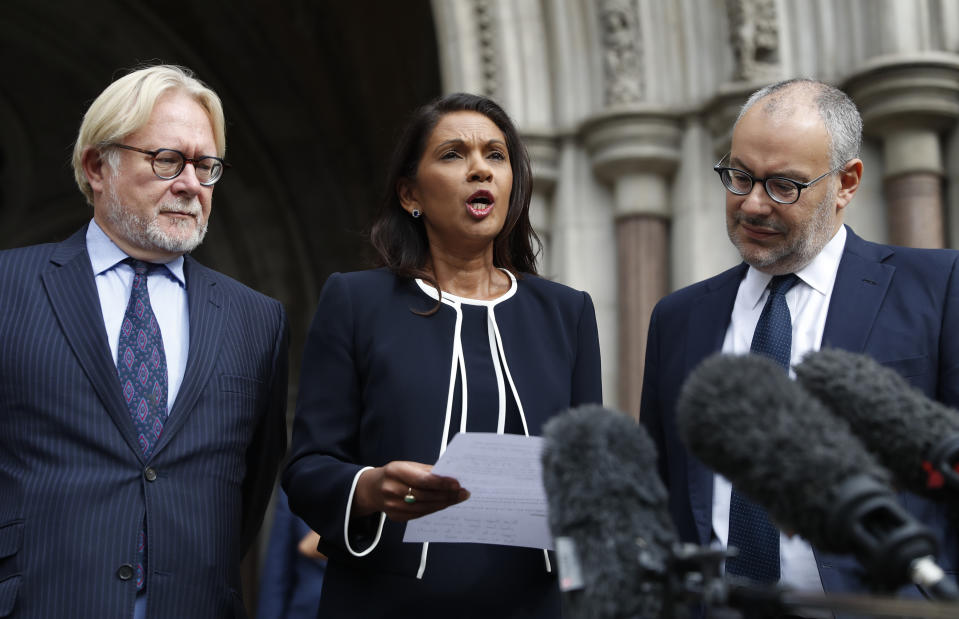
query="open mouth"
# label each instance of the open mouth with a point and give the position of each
(480, 203)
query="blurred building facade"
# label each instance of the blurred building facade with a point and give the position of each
(627, 104)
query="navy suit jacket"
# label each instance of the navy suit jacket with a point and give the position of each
(898, 305)
(375, 386)
(74, 486)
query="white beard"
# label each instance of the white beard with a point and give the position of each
(148, 234)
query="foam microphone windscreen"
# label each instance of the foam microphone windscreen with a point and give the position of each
(745, 418)
(913, 436)
(604, 494)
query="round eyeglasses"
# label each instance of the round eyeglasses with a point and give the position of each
(168, 163)
(781, 189)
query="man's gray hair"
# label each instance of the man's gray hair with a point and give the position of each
(839, 114)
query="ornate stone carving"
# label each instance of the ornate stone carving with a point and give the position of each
(754, 35)
(622, 51)
(486, 25)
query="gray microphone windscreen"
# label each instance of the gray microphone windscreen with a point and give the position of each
(604, 494)
(745, 418)
(914, 436)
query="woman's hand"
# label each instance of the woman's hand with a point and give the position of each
(385, 489)
(307, 546)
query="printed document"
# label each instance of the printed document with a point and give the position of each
(507, 503)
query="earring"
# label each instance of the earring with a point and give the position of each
(416, 213)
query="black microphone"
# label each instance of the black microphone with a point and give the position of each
(913, 436)
(746, 419)
(608, 509)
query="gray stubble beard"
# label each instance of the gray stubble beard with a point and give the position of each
(146, 233)
(791, 258)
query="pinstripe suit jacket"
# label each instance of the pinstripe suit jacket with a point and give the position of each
(74, 486)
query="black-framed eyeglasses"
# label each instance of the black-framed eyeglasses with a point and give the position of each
(168, 163)
(780, 189)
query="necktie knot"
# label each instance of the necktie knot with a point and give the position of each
(140, 267)
(781, 284)
(773, 334)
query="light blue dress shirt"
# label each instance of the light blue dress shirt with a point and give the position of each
(168, 298)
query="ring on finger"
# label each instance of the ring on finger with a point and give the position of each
(409, 498)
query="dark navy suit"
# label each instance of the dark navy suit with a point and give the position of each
(74, 487)
(376, 381)
(899, 305)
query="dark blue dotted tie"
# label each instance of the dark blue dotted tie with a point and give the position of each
(141, 366)
(750, 529)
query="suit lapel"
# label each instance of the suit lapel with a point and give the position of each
(72, 291)
(710, 315)
(861, 284)
(708, 322)
(207, 315)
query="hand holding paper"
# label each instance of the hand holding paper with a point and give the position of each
(405, 490)
(507, 503)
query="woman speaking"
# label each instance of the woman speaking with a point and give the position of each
(454, 333)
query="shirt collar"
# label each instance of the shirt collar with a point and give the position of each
(820, 274)
(105, 255)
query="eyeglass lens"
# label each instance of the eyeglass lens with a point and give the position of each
(168, 164)
(779, 189)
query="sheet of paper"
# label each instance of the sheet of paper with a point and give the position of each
(507, 503)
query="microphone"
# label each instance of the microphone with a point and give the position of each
(608, 508)
(746, 419)
(913, 436)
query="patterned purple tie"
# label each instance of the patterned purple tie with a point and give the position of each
(141, 366)
(750, 529)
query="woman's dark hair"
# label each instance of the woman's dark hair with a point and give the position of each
(400, 240)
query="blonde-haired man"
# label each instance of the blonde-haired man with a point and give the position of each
(142, 395)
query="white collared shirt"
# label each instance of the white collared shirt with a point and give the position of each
(808, 303)
(168, 298)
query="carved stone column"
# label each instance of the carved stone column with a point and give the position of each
(906, 102)
(636, 151)
(543, 154)
(754, 37)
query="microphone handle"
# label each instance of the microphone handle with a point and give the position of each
(929, 576)
(874, 606)
(888, 541)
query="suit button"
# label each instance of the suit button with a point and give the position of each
(150, 474)
(125, 572)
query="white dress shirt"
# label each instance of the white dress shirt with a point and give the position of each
(808, 303)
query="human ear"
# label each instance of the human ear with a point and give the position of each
(406, 191)
(849, 178)
(94, 168)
